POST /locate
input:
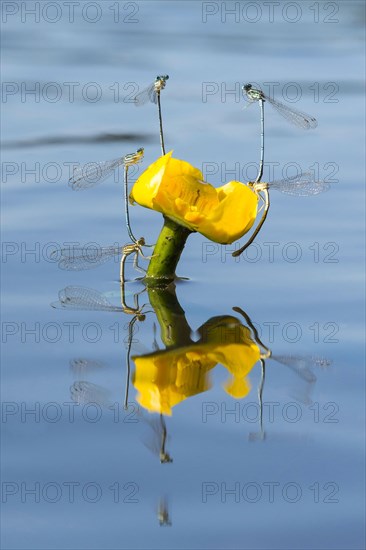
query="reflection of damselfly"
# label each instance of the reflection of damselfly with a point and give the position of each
(83, 177)
(83, 392)
(302, 185)
(301, 365)
(88, 257)
(88, 299)
(163, 513)
(81, 366)
(158, 443)
(298, 118)
(152, 94)
(82, 298)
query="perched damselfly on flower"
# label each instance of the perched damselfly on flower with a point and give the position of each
(298, 118)
(85, 177)
(152, 94)
(301, 185)
(94, 173)
(81, 258)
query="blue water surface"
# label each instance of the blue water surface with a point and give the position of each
(76, 475)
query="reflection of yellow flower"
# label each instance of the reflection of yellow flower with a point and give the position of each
(175, 188)
(165, 378)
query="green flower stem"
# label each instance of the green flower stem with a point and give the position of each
(167, 251)
(174, 329)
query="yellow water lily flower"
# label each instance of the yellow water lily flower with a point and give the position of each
(165, 378)
(176, 189)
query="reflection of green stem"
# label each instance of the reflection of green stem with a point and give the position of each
(168, 249)
(175, 330)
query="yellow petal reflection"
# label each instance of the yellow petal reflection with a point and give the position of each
(165, 378)
(176, 189)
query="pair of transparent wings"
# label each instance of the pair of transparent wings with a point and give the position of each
(94, 173)
(82, 298)
(82, 258)
(302, 365)
(292, 115)
(150, 93)
(301, 185)
(81, 365)
(86, 176)
(83, 392)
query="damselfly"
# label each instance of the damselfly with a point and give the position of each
(89, 176)
(139, 314)
(94, 173)
(158, 443)
(301, 365)
(83, 392)
(298, 118)
(80, 258)
(302, 185)
(163, 513)
(82, 298)
(152, 94)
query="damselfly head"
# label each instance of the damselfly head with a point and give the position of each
(247, 87)
(141, 241)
